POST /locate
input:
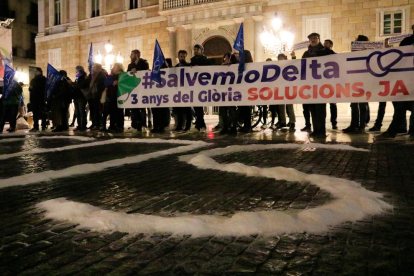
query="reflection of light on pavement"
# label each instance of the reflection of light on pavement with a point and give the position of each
(210, 132)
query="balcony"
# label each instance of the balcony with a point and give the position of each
(174, 4)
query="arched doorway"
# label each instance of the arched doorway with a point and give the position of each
(215, 47)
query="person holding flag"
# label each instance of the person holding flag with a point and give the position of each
(11, 97)
(158, 113)
(239, 46)
(37, 99)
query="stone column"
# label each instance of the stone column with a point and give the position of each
(189, 39)
(258, 48)
(249, 35)
(41, 18)
(173, 43)
(73, 16)
(51, 13)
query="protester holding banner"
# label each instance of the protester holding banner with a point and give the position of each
(229, 113)
(37, 99)
(183, 113)
(328, 44)
(359, 111)
(313, 47)
(199, 59)
(116, 115)
(80, 89)
(96, 87)
(138, 115)
(317, 111)
(10, 108)
(400, 108)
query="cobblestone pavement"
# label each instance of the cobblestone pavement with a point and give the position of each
(378, 245)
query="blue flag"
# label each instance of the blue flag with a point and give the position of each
(90, 59)
(159, 61)
(239, 46)
(53, 78)
(9, 82)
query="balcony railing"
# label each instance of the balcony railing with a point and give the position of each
(173, 4)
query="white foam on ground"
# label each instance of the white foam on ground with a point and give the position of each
(352, 202)
(79, 138)
(96, 167)
(71, 147)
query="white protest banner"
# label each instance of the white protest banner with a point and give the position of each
(397, 39)
(366, 45)
(363, 76)
(301, 45)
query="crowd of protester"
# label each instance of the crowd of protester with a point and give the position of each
(96, 93)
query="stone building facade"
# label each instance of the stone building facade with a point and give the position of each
(24, 32)
(66, 28)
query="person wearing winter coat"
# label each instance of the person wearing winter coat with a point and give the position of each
(10, 107)
(59, 103)
(199, 59)
(96, 88)
(116, 115)
(138, 115)
(317, 111)
(37, 99)
(80, 89)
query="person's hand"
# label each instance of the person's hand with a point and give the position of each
(292, 54)
(134, 70)
(116, 82)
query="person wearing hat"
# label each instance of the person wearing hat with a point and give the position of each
(199, 59)
(10, 108)
(317, 111)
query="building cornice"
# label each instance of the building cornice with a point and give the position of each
(100, 29)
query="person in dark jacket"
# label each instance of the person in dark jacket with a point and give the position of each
(80, 89)
(116, 115)
(161, 115)
(199, 59)
(229, 113)
(183, 113)
(138, 115)
(96, 88)
(37, 99)
(317, 111)
(246, 111)
(328, 44)
(10, 107)
(359, 111)
(60, 100)
(400, 108)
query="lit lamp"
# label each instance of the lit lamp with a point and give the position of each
(278, 40)
(21, 76)
(109, 58)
